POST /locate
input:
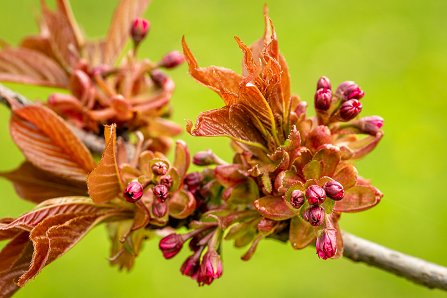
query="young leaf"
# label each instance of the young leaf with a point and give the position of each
(358, 198)
(49, 144)
(104, 182)
(273, 208)
(301, 233)
(182, 158)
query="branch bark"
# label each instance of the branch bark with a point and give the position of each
(357, 249)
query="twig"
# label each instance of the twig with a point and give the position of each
(357, 249)
(417, 270)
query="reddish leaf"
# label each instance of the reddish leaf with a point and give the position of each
(104, 182)
(312, 170)
(30, 67)
(358, 198)
(223, 81)
(329, 157)
(229, 175)
(118, 34)
(35, 185)
(273, 208)
(182, 158)
(65, 9)
(182, 204)
(332, 222)
(346, 176)
(301, 233)
(49, 144)
(365, 145)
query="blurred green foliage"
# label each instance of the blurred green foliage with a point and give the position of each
(396, 50)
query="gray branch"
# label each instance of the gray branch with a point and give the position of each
(357, 249)
(417, 270)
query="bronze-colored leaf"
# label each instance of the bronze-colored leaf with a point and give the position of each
(301, 233)
(125, 13)
(273, 208)
(30, 67)
(358, 198)
(313, 170)
(182, 204)
(329, 156)
(223, 81)
(104, 182)
(346, 176)
(35, 185)
(182, 158)
(229, 175)
(48, 143)
(365, 145)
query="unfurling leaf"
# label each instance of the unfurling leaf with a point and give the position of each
(358, 198)
(182, 158)
(104, 182)
(181, 204)
(301, 233)
(273, 208)
(49, 144)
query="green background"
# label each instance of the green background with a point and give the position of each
(397, 52)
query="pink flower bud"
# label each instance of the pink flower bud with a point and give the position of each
(133, 191)
(266, 225)
(191, 266)
(139, 29)
(159, 168)
(314, 215)
(172, 59)
(297, 199)
(334, 190)
(193, 180)
(204, 158)
(166, 181)
(371, 124)
(159, 77)
(323, 99)
(171, 245)
(324, 83)
(350, 109)
(349, 90)
(160, 192)
(315, 194)
(210, 269)
(159, 208)
(327, 244)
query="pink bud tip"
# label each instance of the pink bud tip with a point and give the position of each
(210, 269)
(133, 191)
(167, 181)
(371, 124)
(172, 59)
(334, 190)
(315, 194)
(296, 199)
(171, 245)
(327, 244)
(349, 90)
(314, 215)
(204, 158)
(350, 109)
(323, 99)
(159, 77)
(139, 29)
(324, 83)
(191, 266)
(159, 208)
(159, 168)
(193, 180)
(160, 192)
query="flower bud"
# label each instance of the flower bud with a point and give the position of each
(171, 245)
(334, 190)
(371, 125)
(350, 109)
(314, 215)
(159, 168)
(159, 208)
(139, 29)
(349, 90)
(159, 77)
(166, 181)
(324, 83)
(327, 244)
(296, 199)
(315, 194)
(172, 59)
(191, 266)
(323, 99)
(266, 225)
(193, 180)
(204, 158)
(210, 269)
(133, 191)
(160, 192)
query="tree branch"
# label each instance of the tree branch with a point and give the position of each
(357, 249)
(417, 270)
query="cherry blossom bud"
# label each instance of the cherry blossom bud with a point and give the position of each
(193, 180)
(133, 191)
(171, 245)
(140, 28)
(296, 199)
(349, 90)
(210, 269)
(350, 109)
(371, 124)
(204, 158)
(159, 168)
(160, 192)
(315, 194)
(324, 83)
(327, 244)
(159, 77)
(172, 59)
(159, 208)
(314, 215)
(334, 190)
(323, 99)
(166, 181)
(191, 266)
